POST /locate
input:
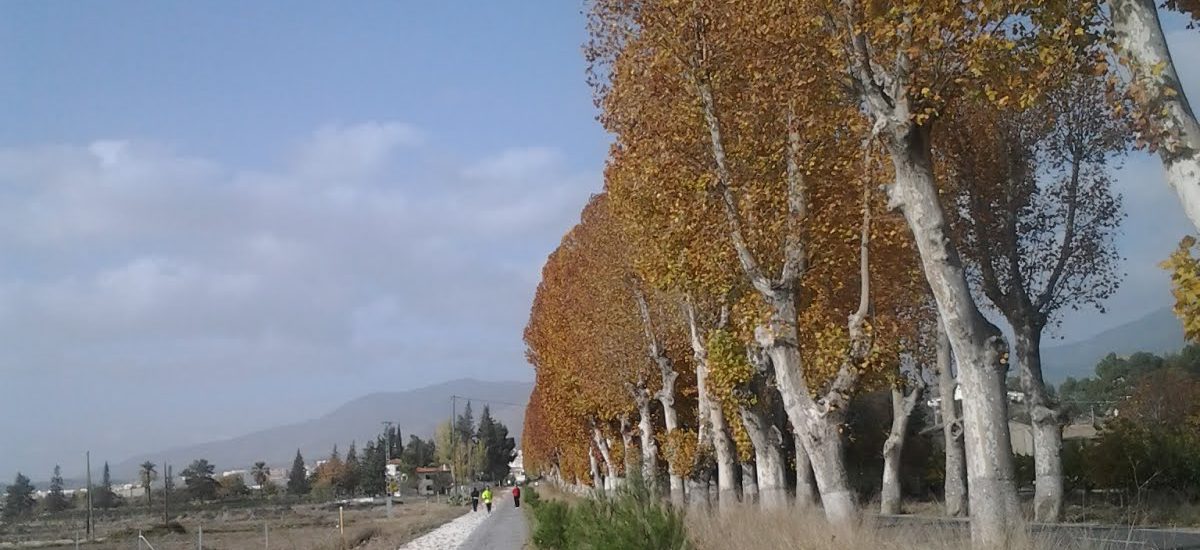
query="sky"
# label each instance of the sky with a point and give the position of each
(219, 217)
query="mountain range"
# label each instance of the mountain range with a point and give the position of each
(416, 412)
(1159, 332)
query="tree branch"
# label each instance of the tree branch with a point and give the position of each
(1067, 249)
(724, 189)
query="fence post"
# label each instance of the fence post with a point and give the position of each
(342, 526)
(139, 540)
(266, 537)
(200, 539)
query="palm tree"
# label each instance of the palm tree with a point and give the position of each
(147, 475)
(261, 474)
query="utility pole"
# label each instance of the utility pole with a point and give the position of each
(453, 437)
(387, 454)
(88, 459)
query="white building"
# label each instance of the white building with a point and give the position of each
(516, 468)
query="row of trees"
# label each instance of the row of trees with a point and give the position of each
(364, 474)
(352, 475)
(740, 278)
(19, 498)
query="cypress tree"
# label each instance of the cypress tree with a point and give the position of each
(56, 501)
(298, 478)
(18, 501)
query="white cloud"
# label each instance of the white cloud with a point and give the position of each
(125, 255)
(515, 164)
(338, 152)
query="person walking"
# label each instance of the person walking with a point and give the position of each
(516, 496)
(474, 499)
(487, 498)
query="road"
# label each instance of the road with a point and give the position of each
(504, 529)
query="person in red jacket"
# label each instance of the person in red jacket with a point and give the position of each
(516, 496)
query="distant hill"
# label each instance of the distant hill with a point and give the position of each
(1158, 332)
(416, 412)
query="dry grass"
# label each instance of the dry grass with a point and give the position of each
(296, 528)
(749, 528)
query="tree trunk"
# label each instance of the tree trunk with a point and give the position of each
(1047, 427)
(820, 430)
(712, 417)
(805, 492)
(697, 494)
(597, 479)
(749, 483)
(952, 432)
(1176, 131)
(893, 448)
(649, 447)
(978, 345)
(627, 441)
(666, 396)
(768, 460)
(610, 469)
(671, 420)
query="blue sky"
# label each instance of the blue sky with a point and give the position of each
(217, 217)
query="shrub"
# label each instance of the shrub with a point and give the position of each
(630, 519)
(550, 525)
(531, 496)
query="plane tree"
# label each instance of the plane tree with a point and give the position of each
(1036, 217)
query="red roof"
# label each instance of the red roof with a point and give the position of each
(435, 470)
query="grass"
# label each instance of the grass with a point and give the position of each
(747, 527)
(297, 527)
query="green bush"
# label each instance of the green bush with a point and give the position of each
(550, 519)
(630, 519)
(531, 496)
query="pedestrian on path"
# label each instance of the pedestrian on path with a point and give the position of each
(474, 499)
(487, 498)
(516, 497)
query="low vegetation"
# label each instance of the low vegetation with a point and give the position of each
(629, 519)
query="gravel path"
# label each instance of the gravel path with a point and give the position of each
(450, 535)
(503, 529)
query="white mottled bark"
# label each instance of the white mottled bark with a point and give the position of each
(1141, 39)
(903, 404)
(597, 479)
(768, 460)
(978, 345)
(713, 425)
(610, 469)
(649, 446)
(955, 488)
(1047, 428)
(666, 396)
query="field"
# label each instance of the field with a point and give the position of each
(282, 526)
